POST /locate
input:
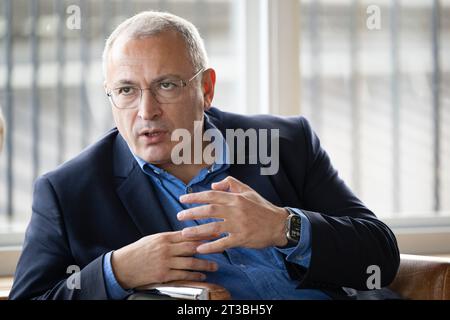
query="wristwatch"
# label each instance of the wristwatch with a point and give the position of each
(293, 228)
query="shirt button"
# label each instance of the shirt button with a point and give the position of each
(189, 190)
(243, 265)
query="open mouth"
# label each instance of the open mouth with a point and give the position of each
(153, 136)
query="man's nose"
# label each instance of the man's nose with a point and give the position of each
(149, 107)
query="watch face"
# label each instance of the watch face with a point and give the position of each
(294, 228)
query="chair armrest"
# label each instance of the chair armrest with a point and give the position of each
(182, 290)
(423, 278)
(5, 287)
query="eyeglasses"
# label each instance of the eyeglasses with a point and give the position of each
(165, 91)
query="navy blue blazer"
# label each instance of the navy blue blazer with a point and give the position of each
(101, 201)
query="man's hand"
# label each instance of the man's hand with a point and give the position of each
(160, 258)
(249, 220)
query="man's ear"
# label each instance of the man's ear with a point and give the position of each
(208, 85)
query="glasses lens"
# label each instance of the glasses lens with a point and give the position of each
(169, 91)
(126, 97)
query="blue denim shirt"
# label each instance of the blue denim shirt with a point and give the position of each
(246, 273)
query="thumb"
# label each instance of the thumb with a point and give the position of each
(230, 184)
(221, 186)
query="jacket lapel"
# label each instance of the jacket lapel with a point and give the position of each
(136, 192)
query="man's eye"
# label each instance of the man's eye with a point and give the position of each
(126, 91)
(167, 85)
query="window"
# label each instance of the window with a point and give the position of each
(379, 99)
(51, 85)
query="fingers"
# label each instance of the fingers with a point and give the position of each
(183, 246)
(230, 184)
(221, 186)
(175, 275)
(217, 197)
(202, 212)
(173, 237)
(185, 249)
(217, 246)
(211, 230)
(189, 263)
(221, 193)
(178, 237)
(161, 258)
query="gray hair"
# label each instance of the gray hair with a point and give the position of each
(150, 23)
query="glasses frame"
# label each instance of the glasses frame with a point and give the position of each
(183, 84)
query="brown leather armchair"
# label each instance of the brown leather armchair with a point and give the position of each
(418, 278)
(423, 278)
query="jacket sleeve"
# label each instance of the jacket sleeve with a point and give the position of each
(46, 262)
(347, 238)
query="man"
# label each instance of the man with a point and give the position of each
(128, 214)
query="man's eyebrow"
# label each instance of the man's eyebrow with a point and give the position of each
(157, 79)
(124, 81)
(167, 76)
